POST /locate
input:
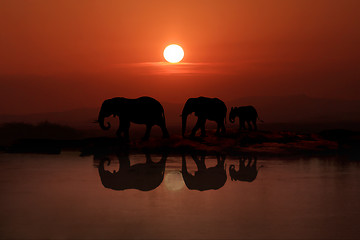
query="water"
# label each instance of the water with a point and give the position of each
(63, 197)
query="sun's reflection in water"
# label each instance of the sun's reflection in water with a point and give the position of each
(173, 180)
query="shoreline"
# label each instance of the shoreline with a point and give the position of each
(259, 143)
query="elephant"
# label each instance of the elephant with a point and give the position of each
(142, 110)
(245, 114)
(204, 178)
(247, 173)
(143, 176)
(205, 108)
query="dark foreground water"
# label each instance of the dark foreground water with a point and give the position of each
(70, 197)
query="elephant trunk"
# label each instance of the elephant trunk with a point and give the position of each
(187, 177)
(101, 168)
(232, 120)
(188, 109)
(184, 118)
(101, 120)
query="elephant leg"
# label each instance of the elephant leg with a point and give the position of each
(220, 160)
(164, 129)
(241, 124)
(118, 132)
(249, 162)
(200, 123)
(218, 128)
(183, 167)
(124, 161)
(125, 129)
(120, 129)
(147, 133)
(148, 158)
(242, 163)
(254, 163)
(249, 125)
(222, 127)
(186, 175)
(254, 123)
(203, 132)
(200, 163)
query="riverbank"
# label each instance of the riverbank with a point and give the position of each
(271, 143)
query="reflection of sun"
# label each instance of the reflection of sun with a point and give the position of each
(173, 53)
(173, 181)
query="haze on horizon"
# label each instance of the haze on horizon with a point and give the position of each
(58, 55)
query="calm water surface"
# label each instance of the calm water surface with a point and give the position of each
(69, 197)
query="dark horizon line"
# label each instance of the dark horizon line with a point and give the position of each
(176, 103)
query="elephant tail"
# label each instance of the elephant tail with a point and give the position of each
(163, 114)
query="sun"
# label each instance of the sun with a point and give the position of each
(173, 53)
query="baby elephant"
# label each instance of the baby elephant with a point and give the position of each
(245, 114)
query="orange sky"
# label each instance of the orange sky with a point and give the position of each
(58, 55)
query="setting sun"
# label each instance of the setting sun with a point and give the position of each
(173, 53)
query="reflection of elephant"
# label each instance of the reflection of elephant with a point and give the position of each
(143, 110)
(245, 114)
(246, 173)
(205, 178)
(143, 176)
(205, 108)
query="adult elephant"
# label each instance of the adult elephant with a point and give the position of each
(142, 176)
(204, 178)
(205, 109)
(245, 114)
(142, 110)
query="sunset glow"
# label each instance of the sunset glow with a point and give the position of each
(233, 49)
(173, 53)
(108, 130)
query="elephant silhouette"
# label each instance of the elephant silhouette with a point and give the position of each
(246, 173)
(245, 114)
(142, 110)
(205, 109)
(142, 176)
(205, 178)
